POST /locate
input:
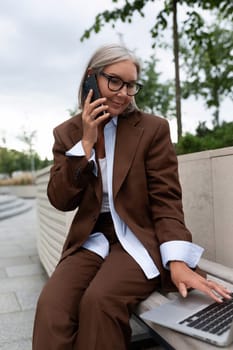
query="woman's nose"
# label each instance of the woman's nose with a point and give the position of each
(123, 90)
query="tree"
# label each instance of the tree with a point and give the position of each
(209, 69)
(155, 97)
(177, 69)
(28, 138)
(205, 139)
(126, 12)
(12, 160)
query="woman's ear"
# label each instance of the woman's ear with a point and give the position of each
(89, 71)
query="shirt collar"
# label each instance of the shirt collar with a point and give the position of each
(112, 122)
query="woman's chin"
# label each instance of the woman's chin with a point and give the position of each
(115, 111)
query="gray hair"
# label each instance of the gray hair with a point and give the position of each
(105, 56)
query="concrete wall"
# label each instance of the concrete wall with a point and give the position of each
(207, 183)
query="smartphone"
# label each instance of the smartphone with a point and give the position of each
(91, 83)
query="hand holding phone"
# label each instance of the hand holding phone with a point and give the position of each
(91, 134)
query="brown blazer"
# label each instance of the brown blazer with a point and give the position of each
(146, 189)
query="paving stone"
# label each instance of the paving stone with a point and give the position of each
(16, 326)
(2, 273)
(24, 247)
(21, 280)
(10, 250)
(8, 303)
(10, 236)
(24, 270)
(13, 261)
(28, 299)
(19, 345)
(35, 259)
(21, 283)
(27, 239)
(31, 251)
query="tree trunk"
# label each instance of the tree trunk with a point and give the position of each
(177, 73)
(215, 96)
(216, 116)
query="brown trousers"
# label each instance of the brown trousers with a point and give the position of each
(87, 302)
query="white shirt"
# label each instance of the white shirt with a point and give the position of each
(105, 201)
(172, 250)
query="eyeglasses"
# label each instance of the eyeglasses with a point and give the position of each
(116, 84)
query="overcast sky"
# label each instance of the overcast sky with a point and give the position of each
(42, 60)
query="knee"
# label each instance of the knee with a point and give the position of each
(94, 298)
(98, 300)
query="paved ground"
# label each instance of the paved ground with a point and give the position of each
(21, 279)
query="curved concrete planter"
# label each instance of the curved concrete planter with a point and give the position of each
(24, 191)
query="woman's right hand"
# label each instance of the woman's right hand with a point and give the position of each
(91, 122)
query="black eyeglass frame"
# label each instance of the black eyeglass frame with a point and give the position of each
(109, 77)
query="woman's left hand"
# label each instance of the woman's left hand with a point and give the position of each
(184, 278)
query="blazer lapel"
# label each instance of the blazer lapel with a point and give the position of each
(127, 139)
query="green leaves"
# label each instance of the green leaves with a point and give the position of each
(124, 14)
(206, 139)
(156, 97)
(208, 63)
(12, 160)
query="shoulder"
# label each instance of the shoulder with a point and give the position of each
(69, 132)
(151, 119)
(70, 129)
(145, 119)
(68, 124)
(150, 123)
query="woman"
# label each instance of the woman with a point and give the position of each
(117, 165)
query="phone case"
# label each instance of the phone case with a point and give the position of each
(91, 83)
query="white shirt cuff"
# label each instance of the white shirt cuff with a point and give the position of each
(78, 151)
(98, 244)
(185, 251)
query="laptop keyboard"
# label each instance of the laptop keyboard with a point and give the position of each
(215, 318)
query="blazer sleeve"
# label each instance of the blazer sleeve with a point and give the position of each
(164, 188)
(69, 176)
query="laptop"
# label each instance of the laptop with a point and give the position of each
(197, 316)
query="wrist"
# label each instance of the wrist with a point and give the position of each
(87, 147)
(173, 263)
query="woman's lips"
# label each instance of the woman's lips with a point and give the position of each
(116, 104)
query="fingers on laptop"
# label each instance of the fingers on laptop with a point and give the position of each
(216, 291)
